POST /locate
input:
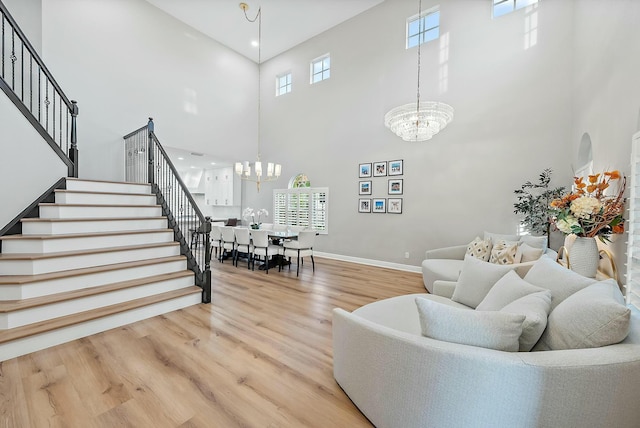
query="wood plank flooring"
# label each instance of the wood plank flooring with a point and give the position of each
(259, 356)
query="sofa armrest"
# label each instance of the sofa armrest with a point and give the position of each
(456, 252)
(444, 288)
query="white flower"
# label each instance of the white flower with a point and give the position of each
(247, 214)
(585, 206)
(263, 212)
(564, 225)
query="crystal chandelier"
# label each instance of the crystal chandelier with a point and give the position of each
(418, 121)
(243, 169)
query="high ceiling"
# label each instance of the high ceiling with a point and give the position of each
(285, 23)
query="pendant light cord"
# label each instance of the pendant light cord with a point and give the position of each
(259, 19)
(420, 36)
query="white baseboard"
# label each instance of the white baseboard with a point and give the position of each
(370, 262)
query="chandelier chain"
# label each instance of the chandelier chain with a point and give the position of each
(258, 17)
(420, 37)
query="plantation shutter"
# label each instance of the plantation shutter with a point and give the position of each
(304, 207)
(633, 244)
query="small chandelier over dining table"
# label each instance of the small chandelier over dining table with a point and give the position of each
(419, 121)
(243, 169)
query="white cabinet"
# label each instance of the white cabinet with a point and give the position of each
(222, 188)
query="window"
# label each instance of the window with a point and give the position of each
(302, 206)
(424, 28)
(320, 69)
(502, 7)
(283, 84)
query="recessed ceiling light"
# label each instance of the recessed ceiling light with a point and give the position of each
(213, 163)
(180, 158)
(193, 167)
(254, 43)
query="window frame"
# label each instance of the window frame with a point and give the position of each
(289, 208)
(515, 5)
(287, 85)
(323, 70)
(421, 34)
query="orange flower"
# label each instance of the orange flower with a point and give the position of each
(614, 175)
(591, 188)
(618, 228)
(593, 179)
(603, 185)
(577, 180)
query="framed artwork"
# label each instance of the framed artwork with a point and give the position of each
(394, 205)
(364, 205)
(365, 188)
(395, 186)
(379, 169)
(365, 170)
(396, 167)
(379, 205)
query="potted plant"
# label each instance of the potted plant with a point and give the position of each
(533, 200)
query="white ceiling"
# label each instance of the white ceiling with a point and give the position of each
(285, 23)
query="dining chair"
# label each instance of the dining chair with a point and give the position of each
(263, 248)
(216, 239)
(228, 241)
(302, 247)
(243, 244)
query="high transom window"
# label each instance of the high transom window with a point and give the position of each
(320, 69)
(283, 84)
(502, 7)
(423, 28)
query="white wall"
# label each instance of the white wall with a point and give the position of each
(512, 120)
(28, 166)
(125, 60)
(606, 97)
(28, 15)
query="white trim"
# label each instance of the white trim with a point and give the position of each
(370, 262)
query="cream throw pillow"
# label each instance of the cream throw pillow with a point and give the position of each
(529, 253)
(505, 253)
(592, 317)
(486, 329)
(476, 279)
(508, 288)
(535, 307)
(480, 249)
(534, 241)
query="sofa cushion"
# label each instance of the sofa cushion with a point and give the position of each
(529, 253)
(444, 269)
(486, 329)
(479, 248)
(535, 307)
(534, 241)
(562, 282)
(508, 288)
(592, 317)
(495, 237)
(505, 253)
(476, 279)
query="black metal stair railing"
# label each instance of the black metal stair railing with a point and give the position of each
(147, 162)
(28, 83)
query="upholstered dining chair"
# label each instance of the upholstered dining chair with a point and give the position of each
(263, 248)
(216, 239)
(243, 244)
(228, 241)
(302, 247)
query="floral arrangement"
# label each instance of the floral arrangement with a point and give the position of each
(587, 211)
(250, 214)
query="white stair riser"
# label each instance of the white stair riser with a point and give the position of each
(79, 282)
(66, 227)
(42, 246)
(66, 211)
(30, 344)
(93, 186)
(60, 309)
(57, 264)
(104, 199)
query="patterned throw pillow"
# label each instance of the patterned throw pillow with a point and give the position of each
(480, 249)
(505, 253)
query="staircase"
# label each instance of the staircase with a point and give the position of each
(100, 257)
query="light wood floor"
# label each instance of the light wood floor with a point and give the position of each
(259, 356)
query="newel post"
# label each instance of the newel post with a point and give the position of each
(73, 150)
(150, 127)
(206, 286)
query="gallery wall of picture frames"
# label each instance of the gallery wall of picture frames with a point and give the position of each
(369, 174)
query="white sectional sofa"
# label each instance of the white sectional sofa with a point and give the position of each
(399, 378)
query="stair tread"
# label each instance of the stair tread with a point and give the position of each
(27, 279)
(17, 305)
(53, 204)
(62, 220)
(85, 235)
(92, 192)
(106, 181)
(37, 256)
(80, 317)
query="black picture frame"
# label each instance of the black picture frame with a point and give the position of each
(395, 167)
(379, 205)
(395, 186)
(394, 205)
(365, 188)
(364, 171)
(380, 169)
(364, 205)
